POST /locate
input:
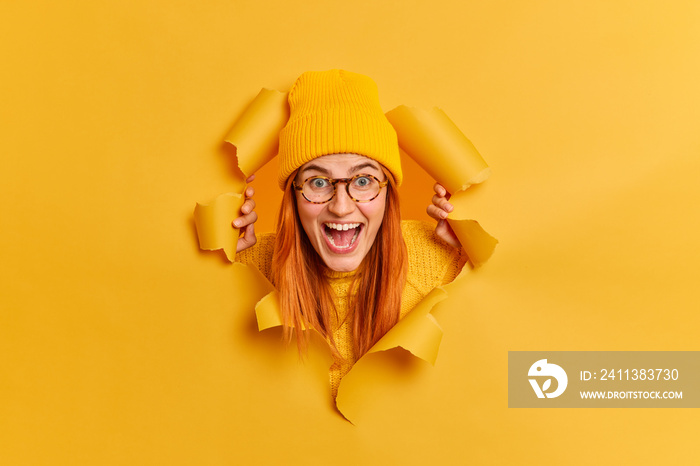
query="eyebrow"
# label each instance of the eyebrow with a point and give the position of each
(362, 165)
(317, 168)
(354, 169)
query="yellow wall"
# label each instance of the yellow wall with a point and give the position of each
(123, 343)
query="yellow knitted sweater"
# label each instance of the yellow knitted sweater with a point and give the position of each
(431, 263)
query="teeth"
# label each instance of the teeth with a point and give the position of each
(342, 226)
(352, 241)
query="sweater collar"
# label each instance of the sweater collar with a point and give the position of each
(328, 273)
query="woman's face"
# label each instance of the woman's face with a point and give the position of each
(341, 231)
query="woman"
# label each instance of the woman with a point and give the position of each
(342, 261)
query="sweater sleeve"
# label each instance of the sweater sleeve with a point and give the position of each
(260, 254)
(431, 261)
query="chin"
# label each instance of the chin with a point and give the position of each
(342, 264)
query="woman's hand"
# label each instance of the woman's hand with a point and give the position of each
(246, 222)
(439, 210)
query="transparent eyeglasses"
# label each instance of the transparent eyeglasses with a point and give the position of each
(321, 189)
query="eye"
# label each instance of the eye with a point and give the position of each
(363, 181)
(318, 183)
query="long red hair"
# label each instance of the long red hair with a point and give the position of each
(306, 297)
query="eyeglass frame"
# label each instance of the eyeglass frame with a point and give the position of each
(334, 182)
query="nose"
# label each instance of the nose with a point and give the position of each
(341, 204)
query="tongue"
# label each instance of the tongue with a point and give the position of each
(342, 239)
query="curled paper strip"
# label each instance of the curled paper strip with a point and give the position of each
(441, 149)
(255, 137)
(213, 222)
(476, 242)
(256, 132)
(267, 311)
(418, 333)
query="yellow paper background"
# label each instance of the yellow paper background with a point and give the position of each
(123, 343)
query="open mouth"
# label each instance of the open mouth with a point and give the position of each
(342, 236)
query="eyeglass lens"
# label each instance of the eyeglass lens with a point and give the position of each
(359, 187)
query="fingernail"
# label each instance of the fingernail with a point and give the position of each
(443, 214)
(449, 207)
(236, 223)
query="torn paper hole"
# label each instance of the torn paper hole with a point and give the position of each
(438, 146)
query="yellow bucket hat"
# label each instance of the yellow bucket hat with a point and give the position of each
(336, 112)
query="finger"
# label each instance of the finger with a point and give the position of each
(436, 213)
(248, 206)
(248, 239)
(440, 190)
(249, 192)
(250, 179)
(442, 203)
(245, 220)
(444, 231)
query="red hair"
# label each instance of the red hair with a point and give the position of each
(306, 296)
